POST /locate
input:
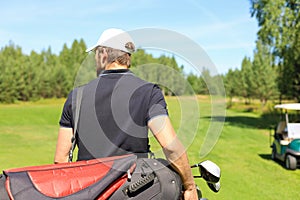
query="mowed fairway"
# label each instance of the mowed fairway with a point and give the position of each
(28, 134)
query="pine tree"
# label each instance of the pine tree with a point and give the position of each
(247, 80)
(264, 86)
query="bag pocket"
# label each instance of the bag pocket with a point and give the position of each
(151, 179)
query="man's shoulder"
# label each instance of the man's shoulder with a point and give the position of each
(142, 80)
(147, 85)
(131, 78)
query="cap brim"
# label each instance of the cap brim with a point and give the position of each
(91, 48)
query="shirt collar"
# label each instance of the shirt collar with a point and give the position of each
(115, 71)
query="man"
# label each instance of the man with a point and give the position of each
(116, 111)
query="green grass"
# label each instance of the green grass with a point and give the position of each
(28, 133)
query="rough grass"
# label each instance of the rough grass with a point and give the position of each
(28, 134)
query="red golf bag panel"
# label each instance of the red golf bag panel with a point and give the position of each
(77, 179)
(112, 188)
(93, 179)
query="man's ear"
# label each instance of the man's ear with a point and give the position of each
(103, 56)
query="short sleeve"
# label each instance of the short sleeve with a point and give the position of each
(157, 104)
(66, 119)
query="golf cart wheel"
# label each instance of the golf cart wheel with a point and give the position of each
(273, 155)
(290, 162)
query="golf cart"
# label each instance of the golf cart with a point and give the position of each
(286, 143)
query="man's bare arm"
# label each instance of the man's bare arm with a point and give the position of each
(63, 145)
(174, 151)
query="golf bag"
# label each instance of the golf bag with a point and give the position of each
(115, 178)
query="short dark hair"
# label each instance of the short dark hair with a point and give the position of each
(116, 55)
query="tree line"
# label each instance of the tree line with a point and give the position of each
(257, 78)
(38, 75)
(274, 72)
(47, 75)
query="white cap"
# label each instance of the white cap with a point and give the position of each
(114, 38)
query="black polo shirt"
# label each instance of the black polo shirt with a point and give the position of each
(114, 113)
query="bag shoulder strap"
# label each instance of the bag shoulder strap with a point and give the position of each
(76, 111)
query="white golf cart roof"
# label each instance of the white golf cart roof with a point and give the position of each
(289, 106)
(293, 129)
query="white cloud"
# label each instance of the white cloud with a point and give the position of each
(224, 46)
(218, 28)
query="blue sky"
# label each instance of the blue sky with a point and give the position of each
(224, 29)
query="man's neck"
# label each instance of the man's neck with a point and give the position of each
(114, 66)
